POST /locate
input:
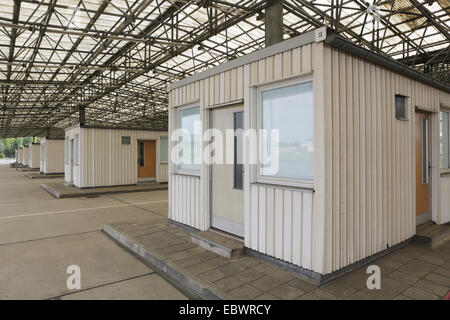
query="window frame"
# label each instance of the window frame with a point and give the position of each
(290, 182)
(443, 169)
(406, 99)
(160, 153)
(237, 166)
(179, 170)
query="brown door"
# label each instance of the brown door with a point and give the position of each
(423, 161)
(146, 159)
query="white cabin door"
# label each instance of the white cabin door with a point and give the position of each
(71, 160)
(227, 196)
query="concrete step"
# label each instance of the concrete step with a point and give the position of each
(222, 245)
(431, 234)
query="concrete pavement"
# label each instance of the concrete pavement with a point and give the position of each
(41, 236)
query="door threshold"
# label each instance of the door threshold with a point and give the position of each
(226, 234)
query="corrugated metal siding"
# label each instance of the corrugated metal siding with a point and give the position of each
(54, 156)
(371, 156)
(35, 156)
(25, 156)
(185, 201)
(20, 156)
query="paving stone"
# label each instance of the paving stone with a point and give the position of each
(266, 296)
(443, 271)
(301, 284)
(432, 287)
(389, 262)
(417, 268)
(419, 294)
(248, 261)
(283, 276)
(287, 292)
(207, 255)
(432, 258)
(266, 268)
(412, 250)
(179, 255)
(199, 268)
(308, 296)
(356, 279)
(218, 261)
(248, 275)
(403, 277)
(390, 288)
(245, 292)
(189, 261)
(213, 275)
(229, 283)
(322, 294)
(266, 283)
(232, 268)
(337, 288)
(439, 279)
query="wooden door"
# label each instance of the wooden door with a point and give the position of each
(423, 161)
(146, 158)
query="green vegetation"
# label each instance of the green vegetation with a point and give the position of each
(8, 146)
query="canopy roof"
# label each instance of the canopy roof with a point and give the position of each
(114, 59)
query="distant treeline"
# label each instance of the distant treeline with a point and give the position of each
(8, 146)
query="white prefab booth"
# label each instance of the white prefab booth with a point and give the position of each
(20, 155)
(52, 155)
(359, 161)
(25, 156)
(96, 157)
(34, 159)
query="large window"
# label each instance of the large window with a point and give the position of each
(444, 133)
(190, 149)
(288, 109)
(163, 150)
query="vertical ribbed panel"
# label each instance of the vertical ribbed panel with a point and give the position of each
(105, 161)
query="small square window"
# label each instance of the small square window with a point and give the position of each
(400, 107)
(126, 140)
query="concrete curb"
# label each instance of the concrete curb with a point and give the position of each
(185, 279)
(31, 175)
(60, 195)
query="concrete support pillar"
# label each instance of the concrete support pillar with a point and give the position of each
(82, 115)
(274, 23)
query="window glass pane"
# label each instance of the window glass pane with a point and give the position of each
(190, 153)
(141, 154)
(290, 110)
(444, 146)
(163, 150)
(238, 156)
(424, 151)
(400, 106)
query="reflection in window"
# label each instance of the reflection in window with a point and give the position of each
(290, 110)
(141, 154)
(163, 150)
(190, 152)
